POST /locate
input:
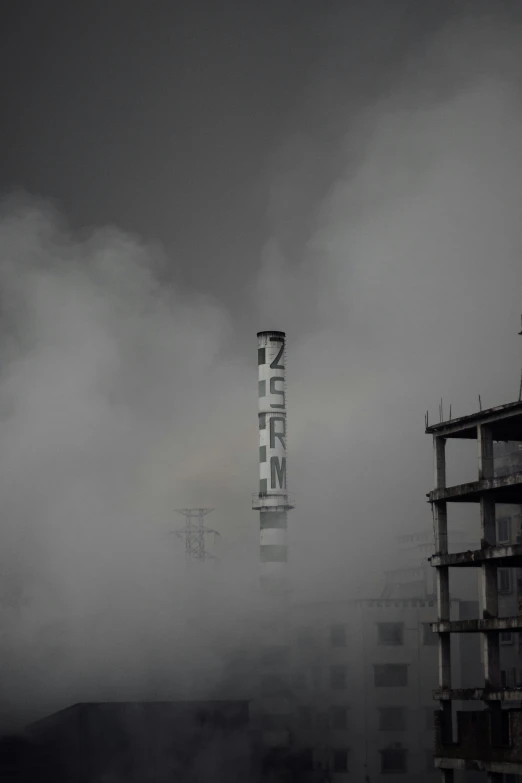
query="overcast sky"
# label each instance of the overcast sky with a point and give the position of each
(178, 176)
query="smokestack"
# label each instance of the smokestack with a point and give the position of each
(272, 501)
(274, 707)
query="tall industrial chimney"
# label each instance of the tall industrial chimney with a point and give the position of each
(272, 501)
(274, 707)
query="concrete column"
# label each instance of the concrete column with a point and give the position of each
(485, 452)
(491, 648)
(489, 590)
(439, 451)
(440, 514)
(443, 593)
(488, 536)
(440, 519)
(444, 661)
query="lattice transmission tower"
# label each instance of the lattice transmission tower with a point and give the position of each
(195, 533)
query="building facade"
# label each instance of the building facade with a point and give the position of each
(365, 673)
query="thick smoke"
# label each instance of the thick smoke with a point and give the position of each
(123, 398)
(121, 401)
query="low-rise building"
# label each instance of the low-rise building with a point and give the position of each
(133, 742)
(365, 672)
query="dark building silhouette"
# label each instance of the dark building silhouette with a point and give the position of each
(155, 742)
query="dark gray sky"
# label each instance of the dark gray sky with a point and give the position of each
(172, 120)
(192, 173)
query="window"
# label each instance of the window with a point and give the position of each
(500, 728)
(392, 719)
(340, 760)
(429, 637)
(503, 678)
(390, 633)
(506, 637)
(504, 580)
(503, 530)
(338, 677)
(338, 636)
(394, 760)
(430, 718)
(390, 675)
(338, 717)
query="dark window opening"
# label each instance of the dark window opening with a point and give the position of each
(388, 675)
(390, 633)
(500, 728)
(504, 580)
(429, 637)
(340, 760)
(506, 637)
(503, 530)
(392, 719)
(394, 760)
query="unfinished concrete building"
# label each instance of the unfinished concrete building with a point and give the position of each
(487, 737)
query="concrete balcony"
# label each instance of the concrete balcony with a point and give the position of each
(507, 556)
(479, 625)
(503, 489)
(478, 694)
